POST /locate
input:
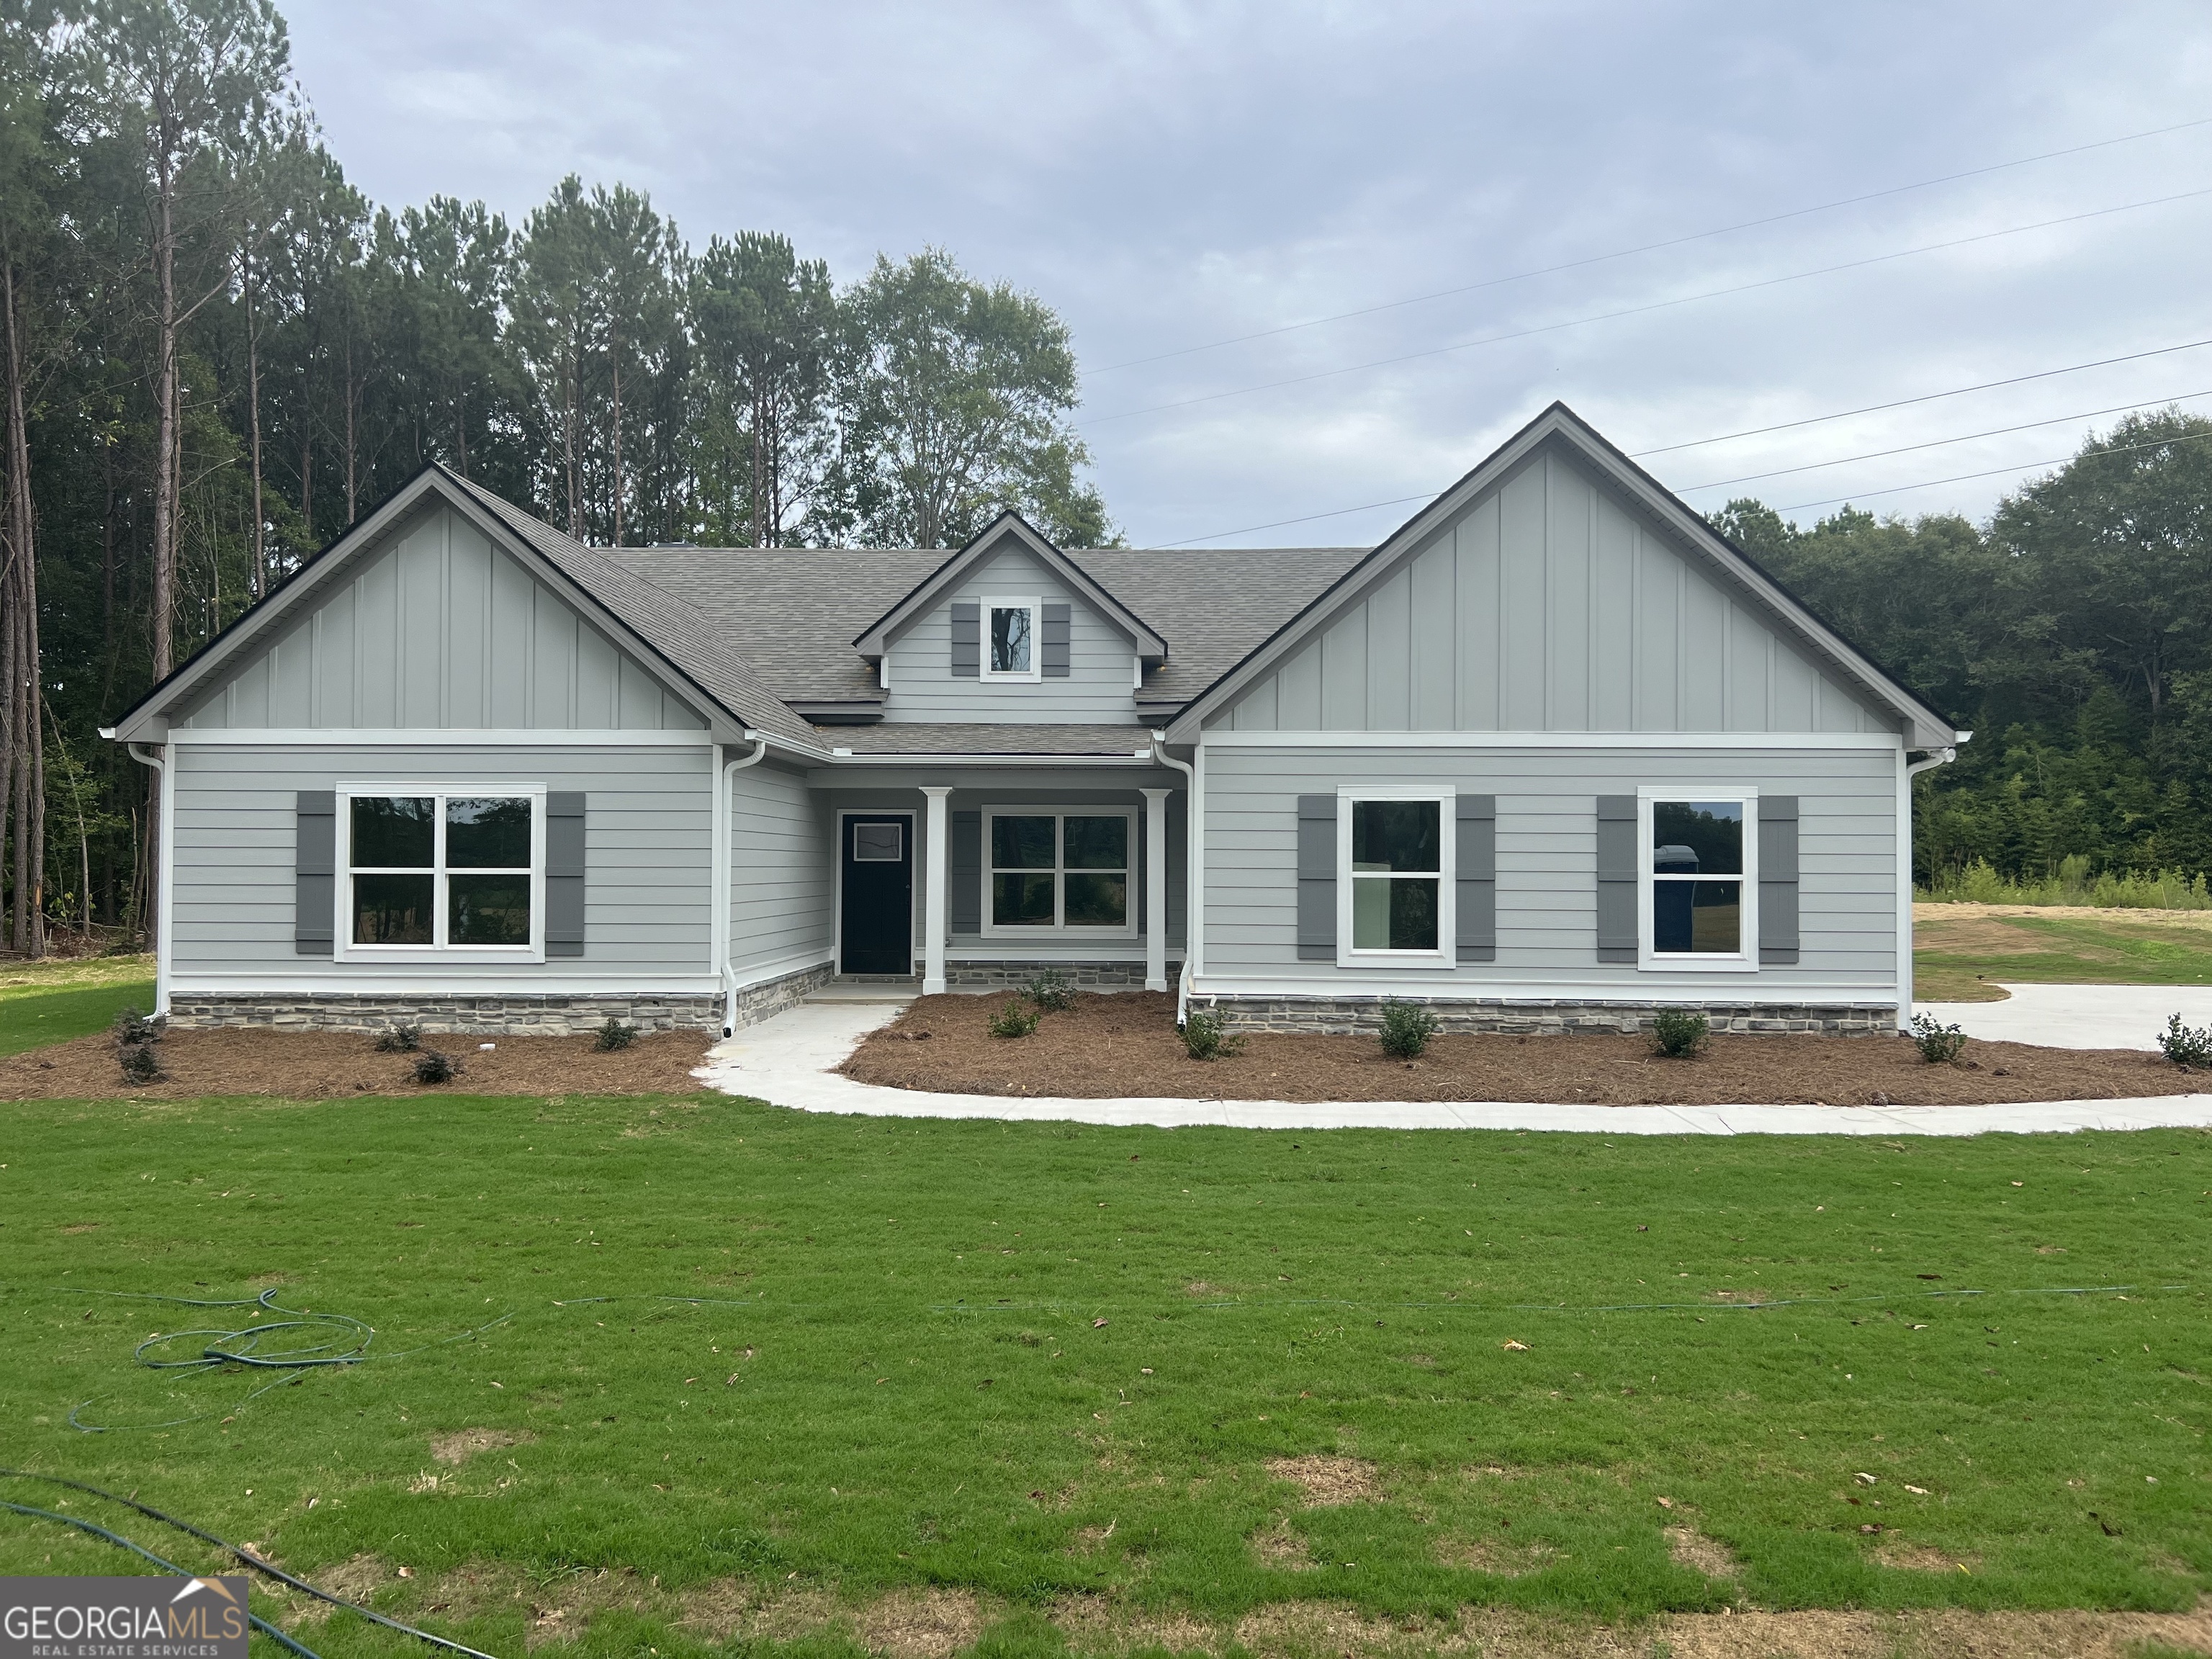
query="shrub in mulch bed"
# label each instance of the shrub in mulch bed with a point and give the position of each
(1126, 1043)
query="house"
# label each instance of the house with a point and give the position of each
(1552, 756)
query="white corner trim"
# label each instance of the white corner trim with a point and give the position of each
(1873, 741)
(394, 737)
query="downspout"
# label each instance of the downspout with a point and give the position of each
(725, 817)
(163, 875)
(1937, 758)
(1191, 871)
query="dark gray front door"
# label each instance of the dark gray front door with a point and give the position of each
(876, 868)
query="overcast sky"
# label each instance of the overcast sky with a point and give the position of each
(1170, 177)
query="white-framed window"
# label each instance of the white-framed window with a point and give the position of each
(432, 872)
(1052, 872)
(1396, 864)
(1698, 882)
(1014, 647)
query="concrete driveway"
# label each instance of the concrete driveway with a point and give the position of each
(2078, 1016)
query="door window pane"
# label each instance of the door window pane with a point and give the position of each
(1097, 901)
(1697, 837)
(1395, 834)
(878, 844)
(488, 910)
(489, 833)
(392, 910)
(1098, 843)
(1022, 901)
(1022, 843)
(1010, 639)
(394, 831)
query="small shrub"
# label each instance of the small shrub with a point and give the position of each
(1205, 1037)
(1680, 1034)
(1406, 1028)
(613, 1037)
(1939, 1044)
(2187, 1045)
(132, 1027)
(1013, 1020)
(432, 1066)
(139, 1062)
(404, 1038)
(1052, 991)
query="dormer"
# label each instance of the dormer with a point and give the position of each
(1011, 631)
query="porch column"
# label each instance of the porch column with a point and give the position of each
(937, 838)
(1156, 889)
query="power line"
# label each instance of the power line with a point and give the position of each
(1962, 478)
(1646, 247)
(1635, 311)
(1939, 443)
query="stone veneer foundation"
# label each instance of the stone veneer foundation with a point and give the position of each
(512, 1015)
(1345, 1016)
(1085, 976)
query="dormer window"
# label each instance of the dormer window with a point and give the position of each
(1010, 639)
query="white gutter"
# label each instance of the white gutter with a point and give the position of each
(931, 758)
(1193, 872)
(163, 871)
(1910, 770)
(724, 838)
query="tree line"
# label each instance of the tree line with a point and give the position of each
(2071, 632)
(217, 354)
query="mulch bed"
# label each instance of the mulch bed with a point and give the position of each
(305, 1065)
(1126, 1045)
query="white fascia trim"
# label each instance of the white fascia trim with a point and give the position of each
(744, 978)
(1876, 741)
(1467, 987)
(426, 983)
(443, 736)
(916, 758)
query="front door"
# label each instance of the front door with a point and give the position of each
(876, 868)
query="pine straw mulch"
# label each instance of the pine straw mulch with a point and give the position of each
(306, 1065)
(1126, 1045)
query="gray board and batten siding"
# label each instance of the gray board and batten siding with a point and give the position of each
(1549, 605)
(439, 630)
(1098, 688)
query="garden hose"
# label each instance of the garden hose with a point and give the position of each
(246, 1557)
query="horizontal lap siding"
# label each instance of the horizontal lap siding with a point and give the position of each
(1547, 855)
(781, 869)
(1097, 689)
(649, 834)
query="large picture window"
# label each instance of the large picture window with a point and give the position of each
(1059, 872)
(1396, 875)
(433, 870)
(1010, 639)
(1700, 886)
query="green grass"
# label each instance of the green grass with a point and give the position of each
(1031, 1360)
(43, 1002)
(1964, 959)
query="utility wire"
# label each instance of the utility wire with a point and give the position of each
(1646, 309)
(1646, 247)
(1750, 432)
(1939, 443)
(2019, 466)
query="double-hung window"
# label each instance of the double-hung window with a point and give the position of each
(434, 872)
(1394, 881)
(1067, 873)
(1699, 885)
(1011, 639)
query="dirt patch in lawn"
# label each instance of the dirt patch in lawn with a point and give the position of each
(306, 1065)
(1126, 1045)
(462, 1444)
(1329, 1480)
(1690, 1548)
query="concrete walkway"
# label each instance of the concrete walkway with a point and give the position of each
(2078, 1016)
(786, 1061)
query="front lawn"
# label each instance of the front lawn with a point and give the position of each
(1964, 953)
(758, 1374)
(50, 1001)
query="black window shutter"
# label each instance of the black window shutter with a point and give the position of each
(315, 867)
(1316, 878)
(1616, 877)
(966, 852)
(968, 638)
(564, 873)
(1777, 878)
(1055, 658)
(1475, 927)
